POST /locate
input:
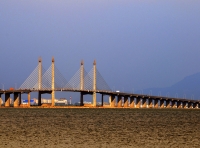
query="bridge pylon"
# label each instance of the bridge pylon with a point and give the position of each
(81, 82)
(94, 84)
(53, 83)
(39, 81)
(82, 76)
(40, 74)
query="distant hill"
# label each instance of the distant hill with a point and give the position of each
(189, 88)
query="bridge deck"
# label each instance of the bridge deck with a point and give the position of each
(104, 92)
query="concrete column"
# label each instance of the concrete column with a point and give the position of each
(125, 101)
(168, 105)
(39, 81)
(53, 84)
(190, 105)
(16, 99)
(102, 100)
(29, 99)
(40, 74)
(119, 101)
(179, 105)
(112, 101)
(39, 99)
(137, 102)
(198, 105)
(81, 99)
(20, 98)
(155, 103)
(162, 103)
(0, 100)
(150, 103)
(82, 76)
(94, 84)
(7, 100)
(173, 102)
(144, 102)
(132, 103)
(184, 104)
(195, 105)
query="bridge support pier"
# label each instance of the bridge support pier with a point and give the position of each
(119, 101)
(137, 102)
(155, 103)
(16, 99)
(179, 104)
(195, 105)
(53, 98)
(132, 103)
(162, 103)
(173, 104)
(168, 104)
(39, 98)
(81, 99)
(125, 101)
(29, 99)
(190, 105)
(112, 101)
(184, 104)
(150, 103)
(7, 100)
(102, 100)
(198, 105)
(144, 102)
(20, 98)
(94, 99)
(0, 100)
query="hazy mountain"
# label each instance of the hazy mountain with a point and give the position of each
(189, 88)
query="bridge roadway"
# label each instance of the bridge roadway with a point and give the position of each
(115, 98)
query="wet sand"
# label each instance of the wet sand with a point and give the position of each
(57, 128)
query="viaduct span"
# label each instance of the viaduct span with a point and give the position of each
(50, 81)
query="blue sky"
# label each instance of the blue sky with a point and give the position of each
(137, 44)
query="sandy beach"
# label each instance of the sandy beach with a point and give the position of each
(62, 127)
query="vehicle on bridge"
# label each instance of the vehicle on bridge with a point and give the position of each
(11, 88)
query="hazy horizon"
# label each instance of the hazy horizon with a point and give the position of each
(137, 44)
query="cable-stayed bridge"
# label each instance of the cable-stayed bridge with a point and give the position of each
(51, 80)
